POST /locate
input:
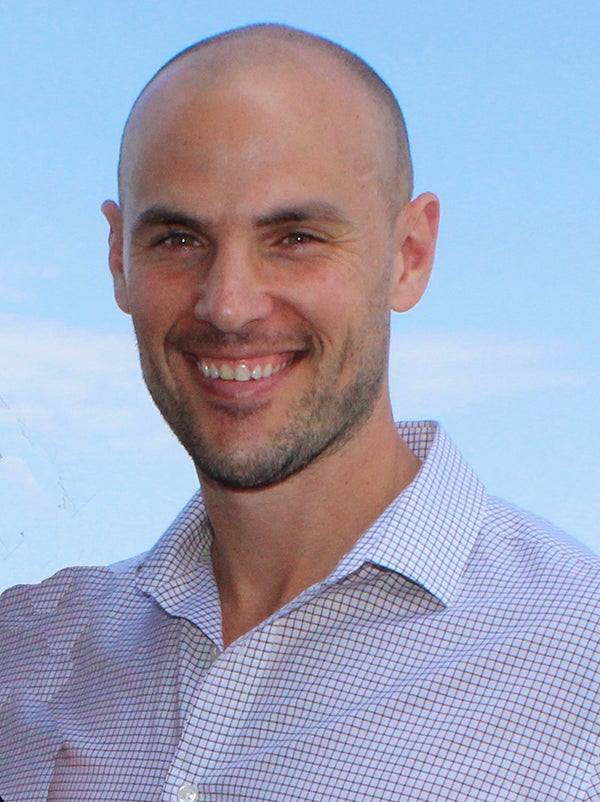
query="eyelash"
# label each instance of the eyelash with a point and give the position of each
(169, 240)
(185, 240)
(297, 235)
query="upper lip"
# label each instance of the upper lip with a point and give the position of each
(240, 355)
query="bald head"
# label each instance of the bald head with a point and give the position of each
(269, 48)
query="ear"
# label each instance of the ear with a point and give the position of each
(113, 214)
(416, 230)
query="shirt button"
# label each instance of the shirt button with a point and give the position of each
(188, 792)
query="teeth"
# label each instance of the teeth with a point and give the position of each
(226, 372)
(241, 373)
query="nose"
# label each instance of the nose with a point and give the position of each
(232, 292)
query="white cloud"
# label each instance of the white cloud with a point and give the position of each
(432, 373)
(91, 474)
(9, 293)
(80, 444)
(53, 372)
(82, 390)
(57, 379)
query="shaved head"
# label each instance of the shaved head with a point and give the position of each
(222, 57)
(266, 228)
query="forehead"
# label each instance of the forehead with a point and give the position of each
(253, 109)
(279, 66)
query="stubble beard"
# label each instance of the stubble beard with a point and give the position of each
(320, 422)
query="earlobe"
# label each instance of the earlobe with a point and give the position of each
(417, 229)
(112, 212)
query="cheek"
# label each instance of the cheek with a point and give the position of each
(348, 299)
(323, 304)
(156, 304)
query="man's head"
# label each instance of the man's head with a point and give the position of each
(264, 234)
(270, 43)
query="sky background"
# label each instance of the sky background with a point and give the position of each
(502, 105)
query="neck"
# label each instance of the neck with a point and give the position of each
(272, 543)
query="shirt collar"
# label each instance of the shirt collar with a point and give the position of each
(426, 534)
(177, 572)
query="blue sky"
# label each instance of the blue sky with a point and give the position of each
(501, 101)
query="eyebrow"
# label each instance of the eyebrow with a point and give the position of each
(164, 216)
(313, 210)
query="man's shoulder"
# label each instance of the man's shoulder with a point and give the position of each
(536, 557)
(77, 583)
(43, 622)
(514, 525)
(101, 599)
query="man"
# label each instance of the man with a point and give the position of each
(342, 612)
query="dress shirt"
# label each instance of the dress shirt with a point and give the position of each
(452, 655)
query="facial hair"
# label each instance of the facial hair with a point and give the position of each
(319, 422)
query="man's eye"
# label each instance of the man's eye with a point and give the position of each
(179, 239)
(298, 238)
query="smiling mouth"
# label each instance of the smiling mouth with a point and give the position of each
(244, 370)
